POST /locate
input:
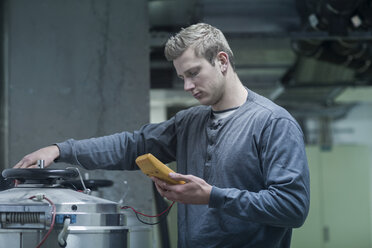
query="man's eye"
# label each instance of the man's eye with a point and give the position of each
(194, 73)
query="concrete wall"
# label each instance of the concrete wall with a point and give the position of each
(76, 69)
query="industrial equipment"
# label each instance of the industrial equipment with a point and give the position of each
(40, 212)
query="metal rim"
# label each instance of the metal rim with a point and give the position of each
(39, 173)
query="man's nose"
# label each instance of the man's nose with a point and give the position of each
(188, 85)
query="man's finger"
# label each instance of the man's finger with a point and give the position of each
(160, 184)
(179, 177)
(18, 165)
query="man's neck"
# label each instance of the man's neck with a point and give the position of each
(235, 94)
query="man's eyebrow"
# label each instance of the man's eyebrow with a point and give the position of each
(192, 68)
(188, 71)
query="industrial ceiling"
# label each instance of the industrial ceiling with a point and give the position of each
(303, 54)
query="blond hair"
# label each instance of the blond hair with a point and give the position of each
(206, 40)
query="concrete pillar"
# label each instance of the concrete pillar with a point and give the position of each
(76, 69)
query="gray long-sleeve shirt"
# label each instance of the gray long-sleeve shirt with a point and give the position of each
(254, 159)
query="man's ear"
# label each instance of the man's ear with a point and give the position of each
(223, 61)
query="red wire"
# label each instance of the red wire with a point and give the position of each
(53, 220)
(151, 216)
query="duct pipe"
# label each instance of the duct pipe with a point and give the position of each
(166, 13)
(326, 15)
(340, 7)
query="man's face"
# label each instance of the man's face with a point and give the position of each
(204, 81)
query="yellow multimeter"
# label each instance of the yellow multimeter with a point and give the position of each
(152, 166)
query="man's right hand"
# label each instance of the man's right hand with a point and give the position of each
(48, 154)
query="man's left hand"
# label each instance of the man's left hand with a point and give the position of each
(194, 191)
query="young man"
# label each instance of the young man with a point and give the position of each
(242, 157)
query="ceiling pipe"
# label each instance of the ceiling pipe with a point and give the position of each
(172, 14)
(335, 17)
(341, 7)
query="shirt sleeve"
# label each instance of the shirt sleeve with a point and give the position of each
(285, 198)
(119, 151)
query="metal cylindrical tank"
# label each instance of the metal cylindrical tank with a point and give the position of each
(29, 211)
